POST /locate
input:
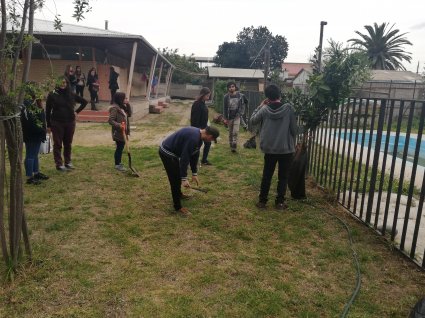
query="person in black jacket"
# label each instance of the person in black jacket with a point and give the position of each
(93, 85)
(33, 121)
(113, 82)
(60, 116)
(199, 119)
(72, 78)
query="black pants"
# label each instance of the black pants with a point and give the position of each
(113, 91)
(207, 146)
(270, 161)
(63, 133)
(172, 167)
(80, 90)
(118, 151)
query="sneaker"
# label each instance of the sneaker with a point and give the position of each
(40, 176)
(32, 180)
(233, 150)
(260, 205)
(69, 166)
(206, 163)
(120, 167)
(61, 168)
(183, 212)
(281, 206)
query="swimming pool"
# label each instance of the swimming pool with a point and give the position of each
(400, 147)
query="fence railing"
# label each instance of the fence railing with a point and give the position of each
(370, 152)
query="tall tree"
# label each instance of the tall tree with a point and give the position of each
(15, 14)
(384, 46)
(248, 50)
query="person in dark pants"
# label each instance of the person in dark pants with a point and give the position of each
(113, 82)
(179, 150)
(93, 85)
(81, 81)
(119, 114)
(199, 119)
(33, 121)
(60, 116)
(277, 141)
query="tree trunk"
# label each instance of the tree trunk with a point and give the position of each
(18, 46)
(2, 178)
(27, 62)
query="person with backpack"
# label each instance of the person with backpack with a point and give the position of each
(33, 119)
(278, 132)
(234, 104)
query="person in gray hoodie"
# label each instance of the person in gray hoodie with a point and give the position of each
(277, 141)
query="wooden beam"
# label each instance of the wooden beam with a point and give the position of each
(131, 71)
(167, 80)
(151, 75)
(159, 78)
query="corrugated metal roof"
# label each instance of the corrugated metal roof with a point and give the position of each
(234, 72)
(118, 43)
(47, 27)
(396, 76)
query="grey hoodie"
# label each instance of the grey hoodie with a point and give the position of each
(278, 128)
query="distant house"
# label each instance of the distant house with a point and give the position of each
(296, 74)
(131, 55)
(246, 79)
(393, 84)
(300, 80)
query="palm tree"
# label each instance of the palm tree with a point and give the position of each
(383, 46)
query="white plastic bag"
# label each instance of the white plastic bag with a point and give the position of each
(46, 146)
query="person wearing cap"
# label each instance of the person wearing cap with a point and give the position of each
(177, 152)
(277, 141)
(199, 119)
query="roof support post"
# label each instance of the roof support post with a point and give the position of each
(151, 75)
(131, 71)
(159, 79)
(167, 80)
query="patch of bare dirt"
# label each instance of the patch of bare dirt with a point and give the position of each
(97, 134)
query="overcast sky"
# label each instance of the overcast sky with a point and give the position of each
(199, 27)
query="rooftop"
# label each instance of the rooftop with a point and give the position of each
(234, 72)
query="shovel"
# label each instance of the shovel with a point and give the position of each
(127, 147)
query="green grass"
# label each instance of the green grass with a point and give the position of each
(106, 244)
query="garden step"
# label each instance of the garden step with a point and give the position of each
(93, 116)
(155, 109)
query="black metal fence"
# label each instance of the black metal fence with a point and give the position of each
(371, 154)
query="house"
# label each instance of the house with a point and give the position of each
(296, 74)
(245, 79)
(132, 56)
(393, 84)
(300, 80)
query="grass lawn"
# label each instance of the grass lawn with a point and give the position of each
(106, 244)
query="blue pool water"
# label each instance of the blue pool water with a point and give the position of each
(400, 147)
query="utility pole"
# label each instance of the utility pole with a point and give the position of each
(266, 62)
(322, 24)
